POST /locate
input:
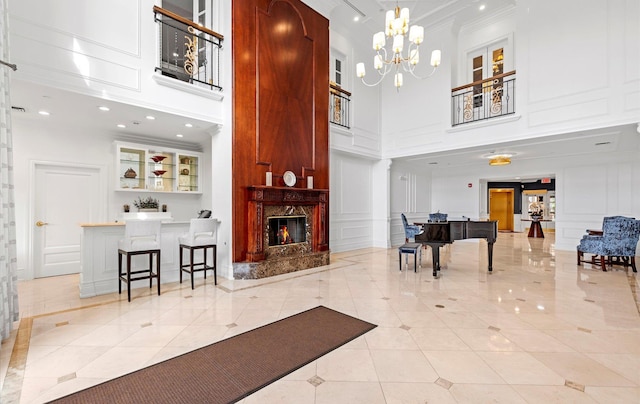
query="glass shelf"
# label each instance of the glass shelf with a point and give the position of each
(137, 165)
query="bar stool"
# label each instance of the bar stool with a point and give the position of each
(142, 237)
(202, 236)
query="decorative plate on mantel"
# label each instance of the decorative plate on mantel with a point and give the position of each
(289, 178)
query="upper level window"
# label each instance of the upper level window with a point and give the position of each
(484, 63)
(490, 88)
(338, 72)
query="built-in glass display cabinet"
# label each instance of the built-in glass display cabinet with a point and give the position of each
(154, 169)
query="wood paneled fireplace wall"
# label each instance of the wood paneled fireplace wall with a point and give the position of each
(280, 118)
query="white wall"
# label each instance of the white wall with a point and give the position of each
(410, 193)
(104, 49)
(351, 201)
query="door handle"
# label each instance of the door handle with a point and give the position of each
(40, 223)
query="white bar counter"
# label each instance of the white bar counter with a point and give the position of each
(99, 257)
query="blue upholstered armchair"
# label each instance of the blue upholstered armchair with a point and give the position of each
(410, 230)
(438, 217)
(618, 240)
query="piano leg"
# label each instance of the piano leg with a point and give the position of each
(435, 252)
(490, 256)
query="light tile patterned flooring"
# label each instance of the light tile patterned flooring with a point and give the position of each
(540, 329)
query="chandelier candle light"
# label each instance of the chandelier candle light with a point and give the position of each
(397, 27)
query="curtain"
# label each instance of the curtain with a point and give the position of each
(8, 261)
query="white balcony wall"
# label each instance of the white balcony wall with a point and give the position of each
(364, 135)
(103, 49)
(351, 202)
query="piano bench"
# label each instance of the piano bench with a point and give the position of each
(411, 248)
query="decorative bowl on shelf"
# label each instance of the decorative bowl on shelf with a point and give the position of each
(130, 173)
(158, 159)
(159, 172)
(184, 171)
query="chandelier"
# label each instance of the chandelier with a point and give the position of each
(397, 27)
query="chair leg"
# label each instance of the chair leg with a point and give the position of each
(158, 269)
(119, 273)
(204, 260)
(150, 270)
(580, 257)
(215, 265)
(603, 262)
(180, 266)
(633, 263)
(191, 266)
(128, 277)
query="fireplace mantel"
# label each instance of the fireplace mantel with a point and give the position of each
(260, 195)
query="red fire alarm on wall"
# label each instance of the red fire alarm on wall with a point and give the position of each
(469, 185)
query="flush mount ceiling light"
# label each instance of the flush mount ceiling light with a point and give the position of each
(397, 27)
(500, 160)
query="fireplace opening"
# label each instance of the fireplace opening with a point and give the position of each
(287, 230)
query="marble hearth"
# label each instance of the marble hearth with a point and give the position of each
(264, 260)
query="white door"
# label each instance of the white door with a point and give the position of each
(64, 197)
(482, 64)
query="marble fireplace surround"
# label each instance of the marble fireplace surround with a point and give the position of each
(264, 260)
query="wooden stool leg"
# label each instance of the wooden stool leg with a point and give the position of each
(191, 267)
(204, 257)
(215, 265)
(119, 273)
(150, 270)
(128, 277)
(158, 269)
(180, 266)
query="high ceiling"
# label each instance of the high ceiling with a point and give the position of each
(81, 111)
(371, 13)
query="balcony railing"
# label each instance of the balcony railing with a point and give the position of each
(188, 51)
(484, 99)
(339, 101)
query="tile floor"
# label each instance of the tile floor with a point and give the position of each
(539, 329)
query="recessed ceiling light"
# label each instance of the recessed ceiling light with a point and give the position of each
(121, 125)
(45, 113)
(188, 125)
(178, 135)
(482, 7)
(103, 108)
(150, 117)
(356, 18)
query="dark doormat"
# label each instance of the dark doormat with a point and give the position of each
(231, 369)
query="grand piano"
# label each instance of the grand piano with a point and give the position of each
(437, 234)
